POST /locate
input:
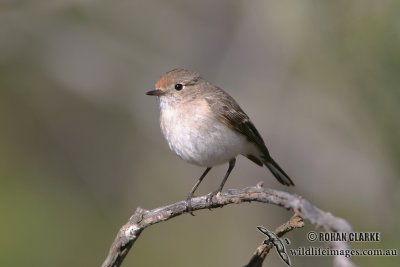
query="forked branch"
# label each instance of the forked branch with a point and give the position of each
(141, 219)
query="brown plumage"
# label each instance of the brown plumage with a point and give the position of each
(205, 126)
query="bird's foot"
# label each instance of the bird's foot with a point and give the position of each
(189, 204)
(210, 196)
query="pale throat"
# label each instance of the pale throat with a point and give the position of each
(179, 117)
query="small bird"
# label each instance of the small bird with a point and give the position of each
(205, 126)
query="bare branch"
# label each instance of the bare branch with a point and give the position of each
(141, 219)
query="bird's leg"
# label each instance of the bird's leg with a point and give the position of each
(230, 168)
(190, 195)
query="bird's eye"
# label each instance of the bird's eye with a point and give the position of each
(178, 86)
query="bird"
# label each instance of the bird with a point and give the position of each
(205, 126)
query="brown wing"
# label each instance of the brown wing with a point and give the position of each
(234, 117)
(230, 113)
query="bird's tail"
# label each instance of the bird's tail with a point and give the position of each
(277, 171)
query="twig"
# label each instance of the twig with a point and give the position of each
(141, 219)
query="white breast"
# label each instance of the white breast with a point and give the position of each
(196, 136)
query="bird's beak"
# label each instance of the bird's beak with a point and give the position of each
(156, 92)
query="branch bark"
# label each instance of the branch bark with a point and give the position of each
(141, 219)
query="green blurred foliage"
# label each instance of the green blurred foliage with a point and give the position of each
(80, 146)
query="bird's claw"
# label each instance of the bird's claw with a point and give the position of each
(189, 205)
(209, 198)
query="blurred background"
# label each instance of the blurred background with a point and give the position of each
(81, 148)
